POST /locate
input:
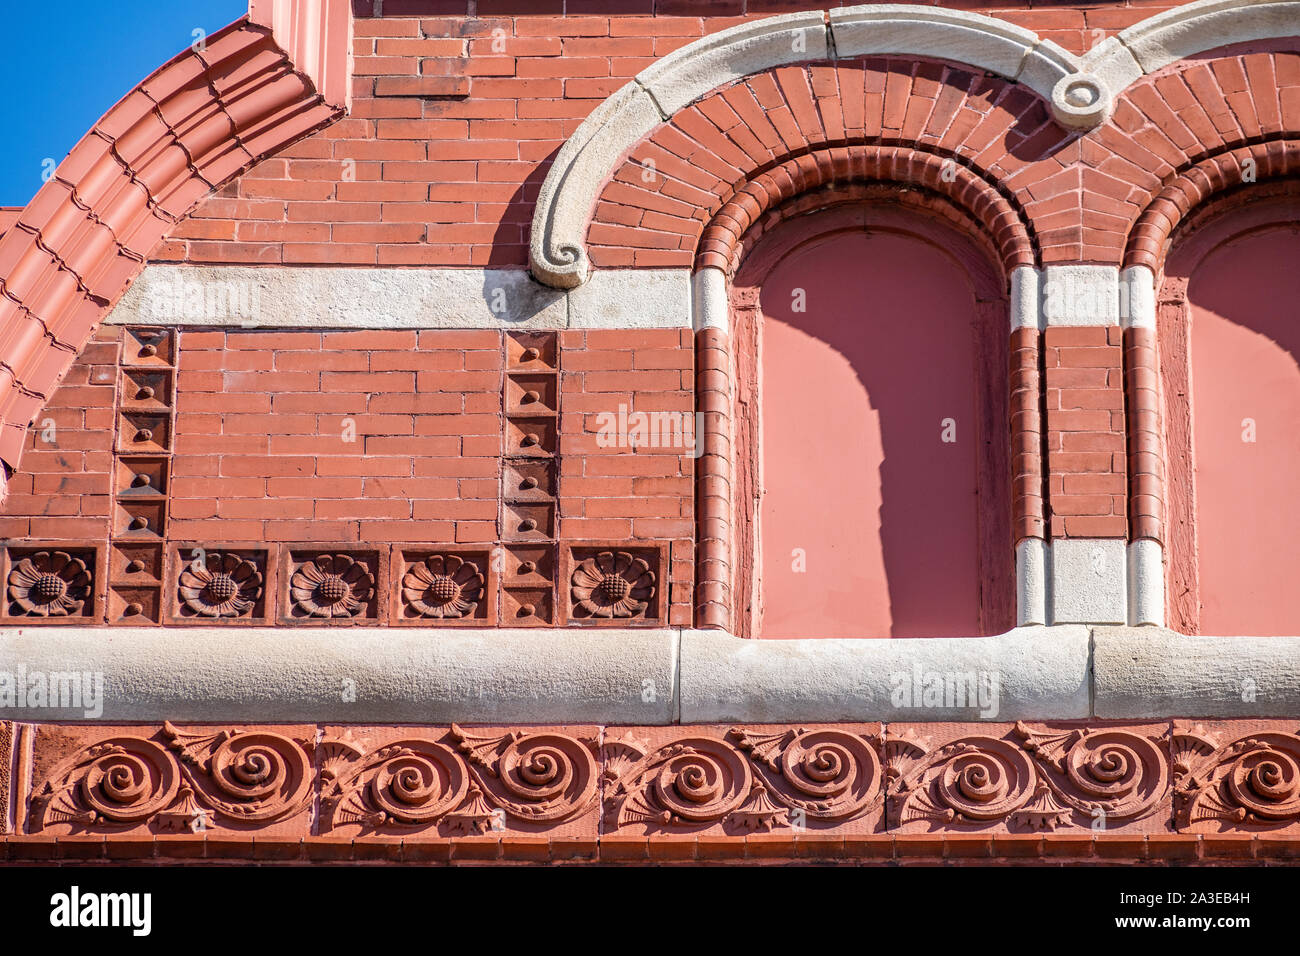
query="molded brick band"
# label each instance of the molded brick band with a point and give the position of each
(646, 676)
(1149, 239)
(713, 489)
(1026, 435)
(376, 297)
(720, 245)
(633, 792)
(1146, 498)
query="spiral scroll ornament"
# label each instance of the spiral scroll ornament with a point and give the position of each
(542, 777)
(1254, 780)
(974, 781)
(245, 775)
(118, 782)
(1103, 774)
(463, 783)
(829, 774)
(407, 783)
(693, 781)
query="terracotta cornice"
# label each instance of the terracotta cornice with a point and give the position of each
(202, 118)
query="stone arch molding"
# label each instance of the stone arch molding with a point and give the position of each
(1081, 91)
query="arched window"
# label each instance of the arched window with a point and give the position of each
(872, 343)
(1230, 337)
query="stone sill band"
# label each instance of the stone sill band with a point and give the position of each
(646, 676)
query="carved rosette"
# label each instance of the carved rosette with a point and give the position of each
(1254, 780)
(474, 788)
(230, 777)
(612, 584)
(221, 585)
(49, 584)
(1103, 774)
(442, 586)
(332, 586)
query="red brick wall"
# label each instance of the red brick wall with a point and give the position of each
(449, 177)
(1086, 453)
(374, 440)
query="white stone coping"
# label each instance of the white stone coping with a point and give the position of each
(1182, 31)
(1080, 90)
(381, 297)
(1076, 295)
(1026, 673)
(1155, 673)
(646, 676)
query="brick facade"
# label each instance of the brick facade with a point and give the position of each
(586, 454)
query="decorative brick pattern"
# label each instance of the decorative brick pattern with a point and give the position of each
(530, 488)
(713, 485)
(608, 583)
(352, 444)
(1079, 199)
(1029, 520)
(1130, 791)
(443, 586)
(142, 469)
(330, 586)
(51, 583)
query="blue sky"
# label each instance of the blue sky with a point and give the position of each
(64, 64)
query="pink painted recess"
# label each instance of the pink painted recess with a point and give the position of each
(857, 479)
(1245, 339)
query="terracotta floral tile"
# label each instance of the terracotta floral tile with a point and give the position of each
(743, 780)
(439, 782)
(1028, 777)
(143, 779)
(1241, 776)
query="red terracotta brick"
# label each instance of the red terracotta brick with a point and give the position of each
(624, 849)
(1228, 846)
(377, 848)
(529, 849)
(328, 849)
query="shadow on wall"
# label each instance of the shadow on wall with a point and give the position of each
(869, 441)
(1245, 381)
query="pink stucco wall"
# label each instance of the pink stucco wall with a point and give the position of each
(1245, 337)
(855, 474)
